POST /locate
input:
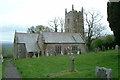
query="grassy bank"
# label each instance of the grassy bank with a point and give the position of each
(3, 68)
(59, 66)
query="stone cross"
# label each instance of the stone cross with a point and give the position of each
(72, 58)
(102, 72)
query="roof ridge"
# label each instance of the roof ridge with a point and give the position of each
(25, 33)
(61, 32)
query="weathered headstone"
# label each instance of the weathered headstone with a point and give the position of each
(72, 58)
(103, 48)
(102, 72)
(51, 54)
(78, 52)
(68, 53)
(95, 49)
(112, 48)
(108, 48)
(99, 49)
(47, 54)
(116, 47)
(71, 53)
(1, 59)
(61, 53)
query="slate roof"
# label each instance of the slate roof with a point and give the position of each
(29, 40)
(56, 37)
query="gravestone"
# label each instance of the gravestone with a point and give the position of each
(95, 49)
(50, 54)
(78, 52)
(47, 54)
(68, 53)
(1, 59)
(102, 72)
(103, 48)
(116, 47)
(61, 53)
(34, 56)
(71, 53)
(98, 49)
(72, 58)
(112, 48)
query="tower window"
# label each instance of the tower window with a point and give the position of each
(77, 20)
(68, 21)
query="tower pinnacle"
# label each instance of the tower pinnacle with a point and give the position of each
(72, 7)
(65, 11)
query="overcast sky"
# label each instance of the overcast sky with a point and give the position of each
(20, 14)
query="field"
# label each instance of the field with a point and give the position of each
(60, 66)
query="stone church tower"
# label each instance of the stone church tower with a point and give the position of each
(74, 21)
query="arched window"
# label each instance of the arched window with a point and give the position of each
(58, 49)
(74, 49)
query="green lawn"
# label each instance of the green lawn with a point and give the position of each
(59, 66)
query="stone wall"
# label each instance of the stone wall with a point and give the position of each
(21, 51)
(50, 49)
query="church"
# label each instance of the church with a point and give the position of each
(71, 41)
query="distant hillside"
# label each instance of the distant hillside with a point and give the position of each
(7, 48)
(7, 45)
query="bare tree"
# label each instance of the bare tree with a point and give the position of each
(97, 30)
(54, 24)
(31, 29)
(94, 27)
(61, 22)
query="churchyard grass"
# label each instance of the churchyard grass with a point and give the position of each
(60, 66)
(3, 68)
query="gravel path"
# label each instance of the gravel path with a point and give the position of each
(11, 71)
